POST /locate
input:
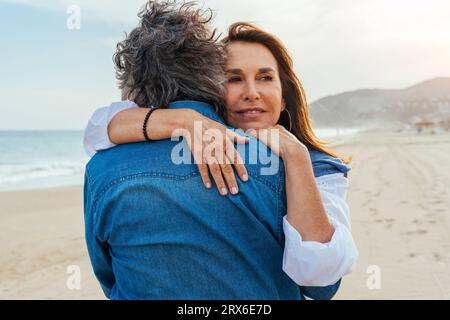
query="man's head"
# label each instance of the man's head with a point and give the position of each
(172, 55)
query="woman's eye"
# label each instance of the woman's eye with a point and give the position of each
(235, 79)
(267, 78)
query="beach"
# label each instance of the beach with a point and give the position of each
(42, 235)
(399, 202)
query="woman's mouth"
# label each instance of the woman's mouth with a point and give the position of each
(250, 113)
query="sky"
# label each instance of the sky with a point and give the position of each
(53, 77)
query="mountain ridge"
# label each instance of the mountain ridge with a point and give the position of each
(384, 107)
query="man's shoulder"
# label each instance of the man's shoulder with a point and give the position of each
(324, 164)
(137, 159)
(175, 158)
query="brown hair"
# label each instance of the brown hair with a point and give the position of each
(293, 92)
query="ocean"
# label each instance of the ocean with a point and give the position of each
(43, 159)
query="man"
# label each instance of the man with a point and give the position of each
(152, 230)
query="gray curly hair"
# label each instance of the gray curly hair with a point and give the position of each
(172, 55)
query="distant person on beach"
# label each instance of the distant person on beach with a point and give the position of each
(153, 230)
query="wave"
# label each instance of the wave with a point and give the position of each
(16, 173)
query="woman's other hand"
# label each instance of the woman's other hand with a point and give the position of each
(282, 142)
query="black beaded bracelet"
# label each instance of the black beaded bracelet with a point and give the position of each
(144, 126)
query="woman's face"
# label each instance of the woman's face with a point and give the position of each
(253, 88)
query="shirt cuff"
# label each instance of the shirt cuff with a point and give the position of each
(96, 136)
(315, 264)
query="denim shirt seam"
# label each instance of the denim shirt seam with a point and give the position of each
(89, 185)
(159, 175)
(91, 195)
(88, 176)
(130, 177)
(279, 213)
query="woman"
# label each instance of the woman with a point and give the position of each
(263, 95)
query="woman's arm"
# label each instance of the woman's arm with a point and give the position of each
(96, 132)
(126, 126)
(316, 264)
(305, 210)
(123, 122)
(319, 247)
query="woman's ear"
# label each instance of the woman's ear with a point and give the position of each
(283, 105)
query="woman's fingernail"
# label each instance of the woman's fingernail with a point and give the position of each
(245, 177)
(208, 185)
(224, 191)
(234, 190)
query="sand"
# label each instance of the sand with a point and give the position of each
(41, 235)
(399, 197)
(399, 200)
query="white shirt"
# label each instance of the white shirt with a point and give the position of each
(308, 263)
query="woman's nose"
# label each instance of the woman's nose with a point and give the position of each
(251, 93)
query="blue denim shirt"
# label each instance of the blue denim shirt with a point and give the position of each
(153, 231)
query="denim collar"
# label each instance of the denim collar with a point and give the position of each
(201, 107)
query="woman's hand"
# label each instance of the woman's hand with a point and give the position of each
(212, 145)
(283, 143)
(305, 209)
